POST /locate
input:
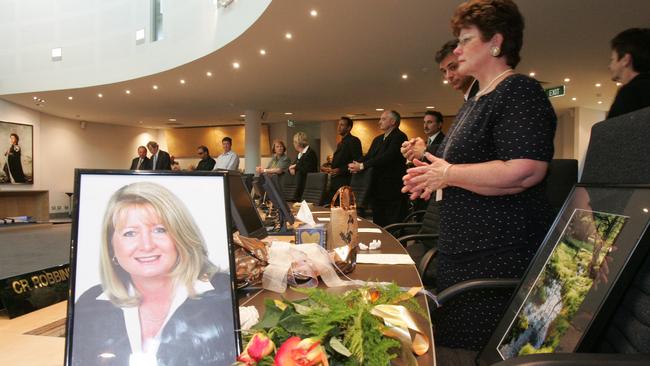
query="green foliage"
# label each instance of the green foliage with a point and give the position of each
(350, 334)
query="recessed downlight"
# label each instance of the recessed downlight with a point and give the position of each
(598, 85)
(574, 99)
(236, 65)
(70, 97)
(208, 74)
(262, 52)
(242, 115)
(313, 13)
(127, 91)
(430, 107)
(182, 81)
(405, 76)
(379, 109)
(531, 74)
(172, 119)
(155, 87)
(288, 35)
(566, 80)
(288, 113)
(600, 102)
(619, 83)
(445, 82)
(100, 95)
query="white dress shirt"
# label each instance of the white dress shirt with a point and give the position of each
(228, 160)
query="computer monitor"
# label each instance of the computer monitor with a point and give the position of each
(258, 189)
(246, 217)
(274, 193)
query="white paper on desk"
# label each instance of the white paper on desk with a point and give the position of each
(370, 230)
(323, 218)
(320, 212)
(384, 259)
(304, 214)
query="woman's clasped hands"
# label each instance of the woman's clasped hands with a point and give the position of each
(424, 179)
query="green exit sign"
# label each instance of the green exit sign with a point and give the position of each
(557, 91)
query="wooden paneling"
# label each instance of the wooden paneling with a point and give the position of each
(25, 203)
(182, 142)
(366, 129)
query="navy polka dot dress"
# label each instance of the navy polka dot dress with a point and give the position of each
(491, 236)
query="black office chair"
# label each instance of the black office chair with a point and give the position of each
(360, 184)
(562, 175)
(248, 180)
(289, 186)
(315, 188)
(618, 153)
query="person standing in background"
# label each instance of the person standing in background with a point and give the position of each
(229, 160)
(388, 202)
(347, 151)
(160, 159)
(630, 66)
(279, 162)
(207, 162)
(142, 162)
(307, 162)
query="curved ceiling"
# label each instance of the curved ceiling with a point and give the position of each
(349, 59)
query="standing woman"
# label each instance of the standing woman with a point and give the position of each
(488, 173)
(13, 168)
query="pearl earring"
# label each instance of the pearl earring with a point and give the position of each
(495, 51)
(115, 262)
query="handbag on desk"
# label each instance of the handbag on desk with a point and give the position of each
(344, 229)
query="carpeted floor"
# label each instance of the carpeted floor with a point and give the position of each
(33, 248)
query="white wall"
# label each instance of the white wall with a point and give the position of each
(61, 145)
(585, 118)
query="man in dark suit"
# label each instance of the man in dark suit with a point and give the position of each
(630, 66)
(389, 166)
(433, 130)
(307, 162)
(142, 162)
(160, 159)
(207, 162)
(347, 151)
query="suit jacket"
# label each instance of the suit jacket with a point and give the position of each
(146, 163)
(164, 161)
(632, 96)
(390, 166)
(433, 147)
(348, 149)
(308, 163)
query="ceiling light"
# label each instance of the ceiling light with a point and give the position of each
(57, 54)
(182, 81)
(645, 210)
(619, 83)
(405, 76)
(597, 85)
(242, 115)
(430, 107)
(531, 74)
(262, 52)
(313, 13)
(34, 98)
(574, 99)
(288, 35)
(155, 87)
(128, 91)
(566, 80)
(208, 74)
(100, 95)
(172, 120)
(288, 113)
(235, 65)
(445, 82)
(70, 98)
(379, 109)
(600, 102)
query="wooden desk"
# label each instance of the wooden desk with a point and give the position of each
(25, 203)
(403, 275)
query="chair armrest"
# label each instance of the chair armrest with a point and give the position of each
(405, 238)
(398, 227)
(578, 359)
(415, 214)
(426, 259)
(478, 284)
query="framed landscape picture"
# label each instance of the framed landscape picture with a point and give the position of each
(16, 145)
(152, 270)
(587, 260)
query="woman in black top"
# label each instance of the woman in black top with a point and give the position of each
(488, 173)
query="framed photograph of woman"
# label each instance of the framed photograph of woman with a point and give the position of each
(16, 144)
(573, 285)
(152, 270)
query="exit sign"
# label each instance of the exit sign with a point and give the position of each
(557, 91)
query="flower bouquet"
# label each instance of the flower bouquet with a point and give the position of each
(364, 326)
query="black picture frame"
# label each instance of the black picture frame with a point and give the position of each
(188, 213)
(17, 165)
(563, 301)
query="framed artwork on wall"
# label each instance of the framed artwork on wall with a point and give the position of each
(152, 270)
(17, 147)
(575, 281)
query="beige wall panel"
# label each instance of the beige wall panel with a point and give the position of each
(182, 142)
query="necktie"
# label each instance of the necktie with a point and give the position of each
(139, 164)
(155, 159)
